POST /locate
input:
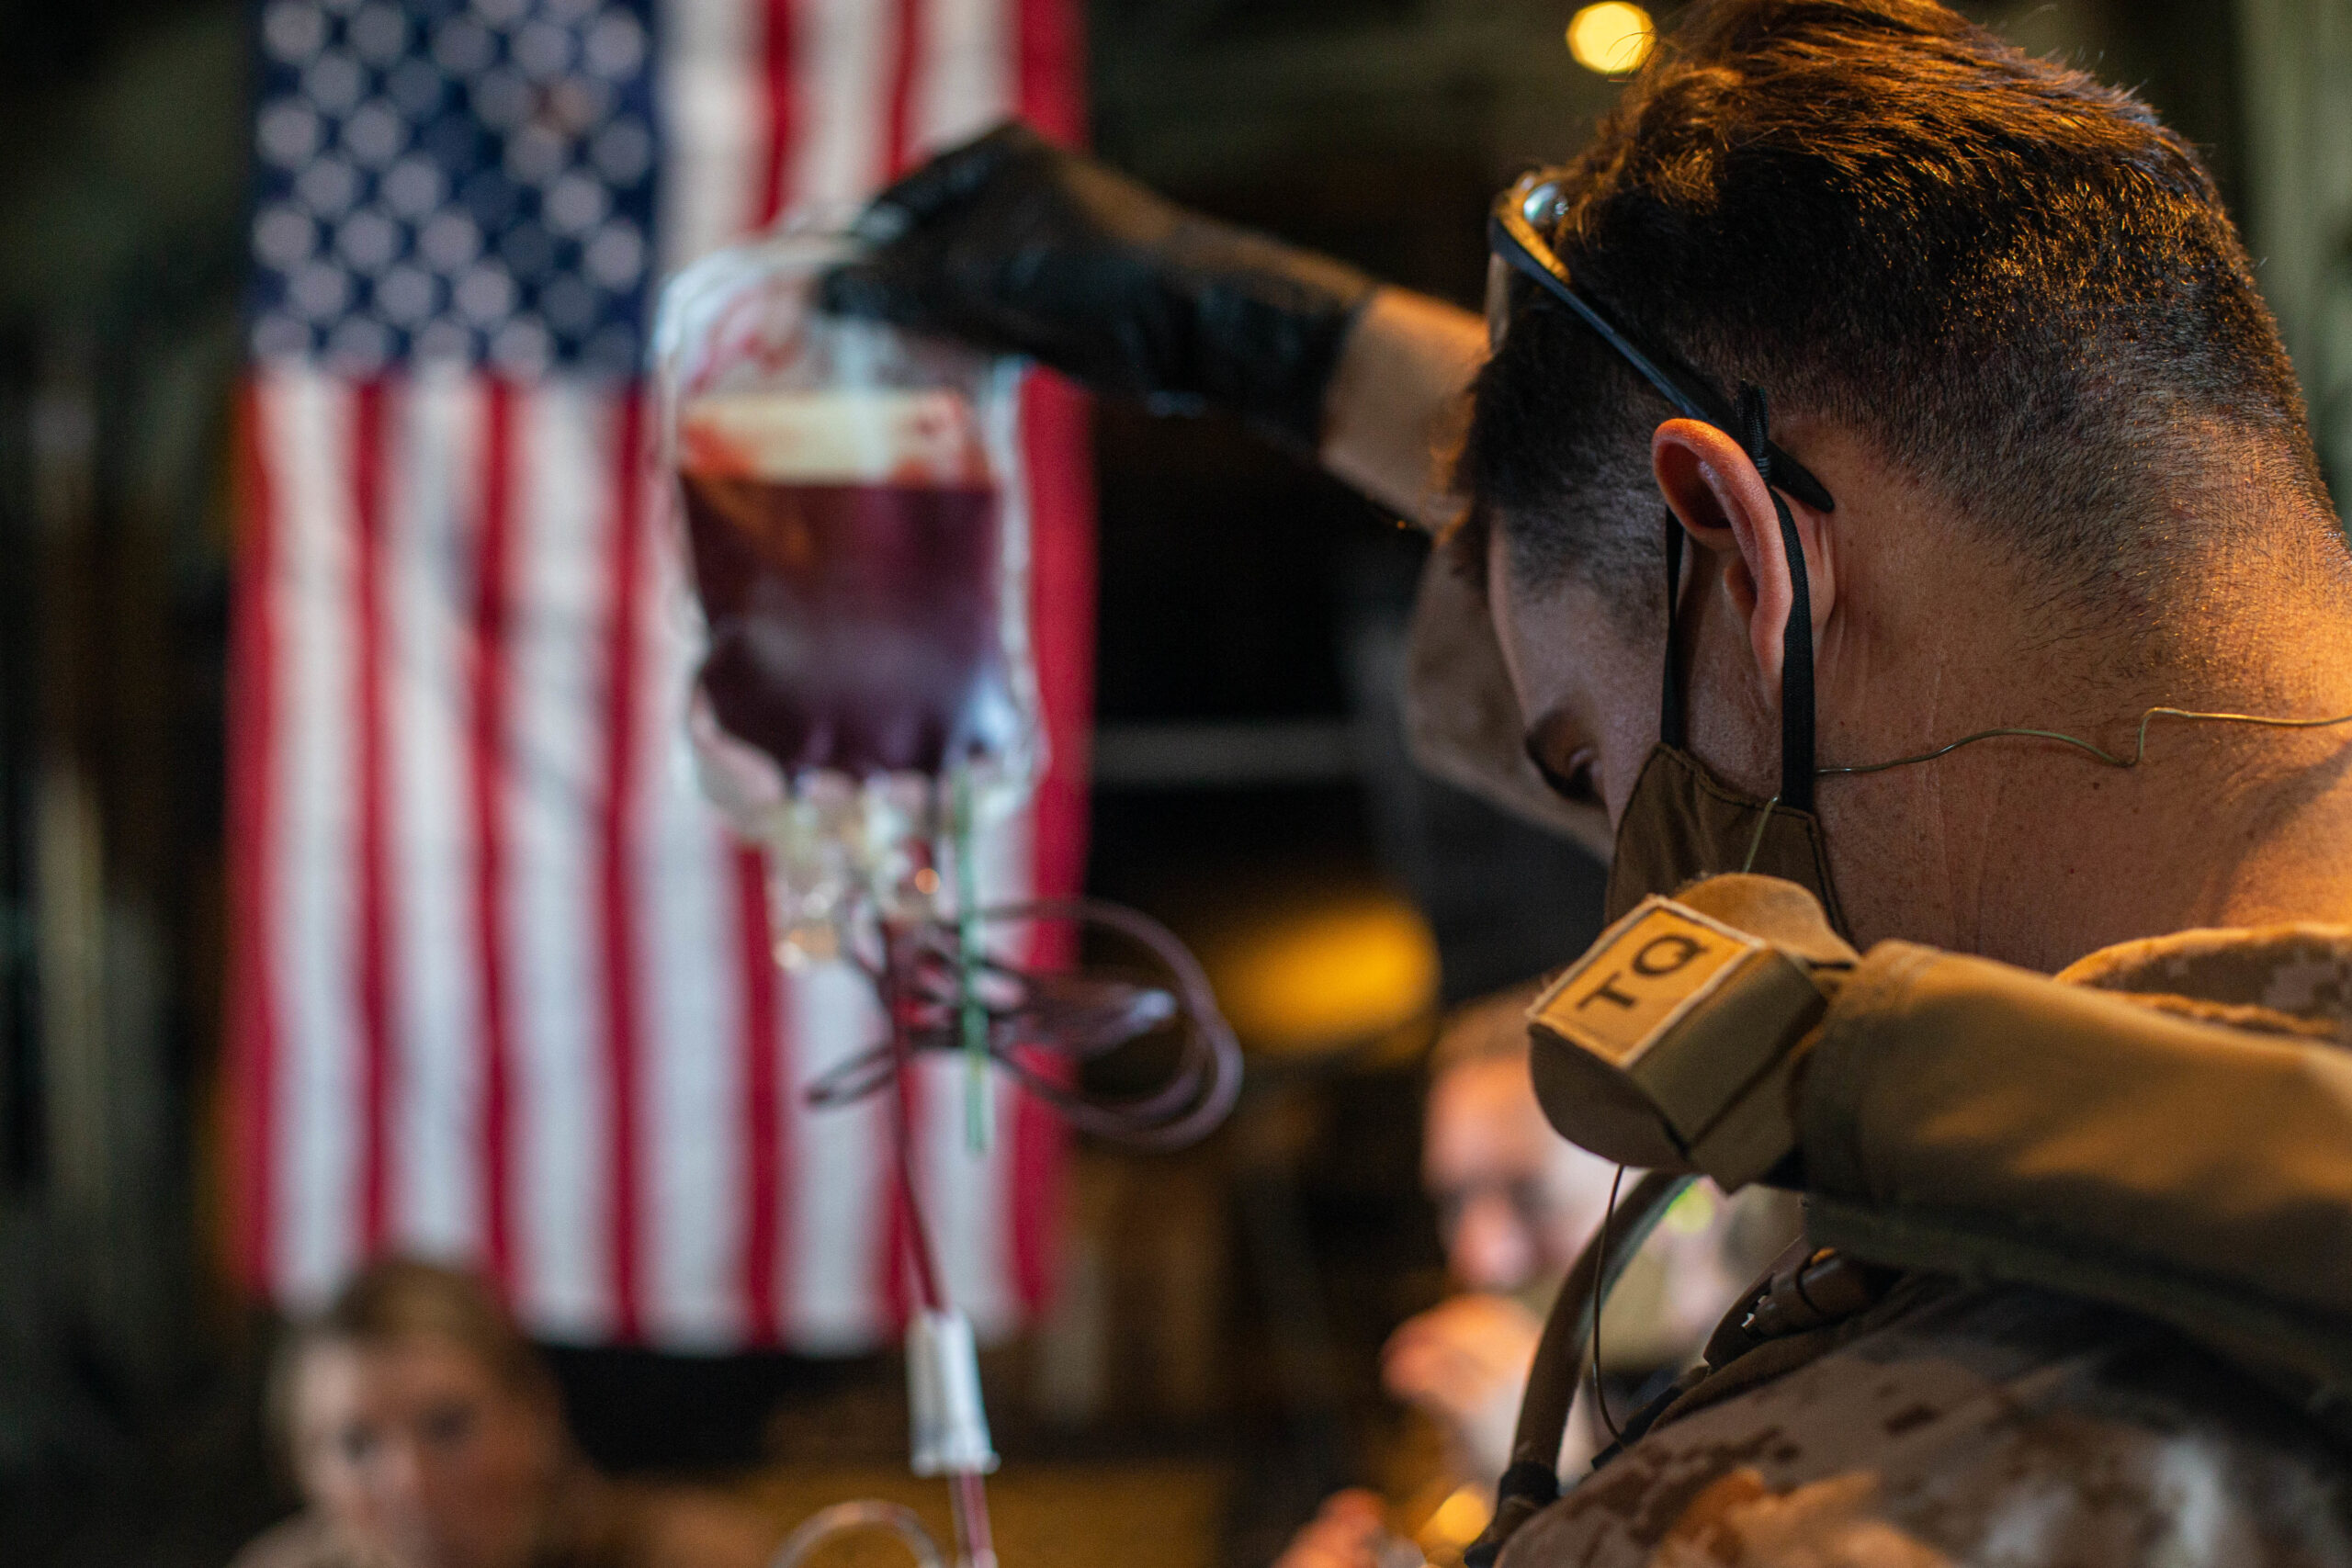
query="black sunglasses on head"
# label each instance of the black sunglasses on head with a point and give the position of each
(1512, 234)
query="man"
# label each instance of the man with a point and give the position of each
(424, 1432)
(1998, 452)
(1516, 1204)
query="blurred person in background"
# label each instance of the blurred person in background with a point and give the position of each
(424, 1431)
(1516, 1202)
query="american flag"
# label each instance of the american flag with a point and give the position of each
(503, 984)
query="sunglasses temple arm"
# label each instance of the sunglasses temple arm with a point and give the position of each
(1787, 472)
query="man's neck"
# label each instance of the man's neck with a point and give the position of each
(2034, 850)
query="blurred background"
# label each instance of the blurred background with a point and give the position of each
(1206, 1369)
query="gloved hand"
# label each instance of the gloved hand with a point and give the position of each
(1021, 246)
(1674, 1043)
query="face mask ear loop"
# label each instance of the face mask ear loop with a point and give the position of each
(1669, 708)
(1796, 640)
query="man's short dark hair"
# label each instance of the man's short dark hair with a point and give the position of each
(2013, 281)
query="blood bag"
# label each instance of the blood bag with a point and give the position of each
(853, 502)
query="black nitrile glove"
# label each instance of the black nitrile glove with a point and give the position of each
(1023, 247)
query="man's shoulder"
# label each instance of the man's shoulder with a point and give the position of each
(2294, 979)
(1969, 1425)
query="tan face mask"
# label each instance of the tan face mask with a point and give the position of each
(1682, 822)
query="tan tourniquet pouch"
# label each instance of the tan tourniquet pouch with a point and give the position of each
(1966, 1117)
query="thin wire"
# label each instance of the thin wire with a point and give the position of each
(1600, 1295)
(1756, 842)
(2139, 755)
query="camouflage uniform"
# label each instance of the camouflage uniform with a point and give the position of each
(1951, 1423)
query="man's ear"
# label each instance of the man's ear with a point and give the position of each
(1721, 501)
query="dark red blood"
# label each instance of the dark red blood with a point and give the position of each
(853, 626)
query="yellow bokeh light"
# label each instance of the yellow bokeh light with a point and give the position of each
(1315, 977)
(1457, 1523)
(1611, 38)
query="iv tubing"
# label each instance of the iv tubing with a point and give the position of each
(842, 1518)
(974, 1542)
(971, 1013)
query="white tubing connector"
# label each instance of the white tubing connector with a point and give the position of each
(950, 1426)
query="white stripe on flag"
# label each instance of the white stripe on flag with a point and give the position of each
(962, 1197)
(305, 440)
(715, 115)
(695, 1167)
(431, 464)
(964, 75)
(841, 1201)
(563, 507)
(965, 83)
(965, 1197)
(842, 63)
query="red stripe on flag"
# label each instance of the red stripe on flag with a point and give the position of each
(493, 564)
(1052, 82)
(762, 1101)
(1061, 591)
(371, 405)
(617, 897)
(900, 1235)
(252, 753)
(898, 109)
(1052, 69)
(1061, 586)
(776, 75)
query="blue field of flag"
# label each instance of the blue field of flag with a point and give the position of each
(468, 181)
